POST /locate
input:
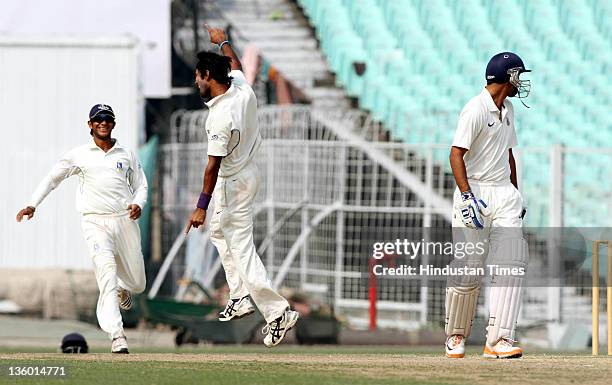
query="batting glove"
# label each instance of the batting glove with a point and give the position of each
(472, 210)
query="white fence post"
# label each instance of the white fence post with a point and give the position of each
(555, 211)
(555, 226)
(339, 266)
(305, 219)
(269, 148)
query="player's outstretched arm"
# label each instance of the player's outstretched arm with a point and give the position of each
(63, 169)
(218, 36)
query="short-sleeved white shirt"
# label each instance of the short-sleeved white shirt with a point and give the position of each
(231, 126)
(486, 137)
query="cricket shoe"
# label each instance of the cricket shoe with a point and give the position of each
(455, 346)
(275, 331)
(125, 299)
(502, 349)
(237, 308)
(119, 345)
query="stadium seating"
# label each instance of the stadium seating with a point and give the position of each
(426, 58)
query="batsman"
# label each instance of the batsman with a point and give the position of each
(488, 209)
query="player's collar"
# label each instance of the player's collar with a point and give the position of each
(489, 100)
(94, 146)
(214, 100)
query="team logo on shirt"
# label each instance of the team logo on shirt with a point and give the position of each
(119, 166)
(214, 137)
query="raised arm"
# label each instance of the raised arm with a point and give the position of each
(63, 169)
(219, 37)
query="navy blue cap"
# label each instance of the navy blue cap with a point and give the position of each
(101, 109)
(497, 69)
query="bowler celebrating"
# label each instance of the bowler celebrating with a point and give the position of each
(233, 141)
(111, 194)
(488, 209)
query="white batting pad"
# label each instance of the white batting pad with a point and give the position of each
(460, 309)
(506, 290)
(504, 307)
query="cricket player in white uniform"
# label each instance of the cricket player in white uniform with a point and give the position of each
(488, 208)
(111, 194)
(232, 178)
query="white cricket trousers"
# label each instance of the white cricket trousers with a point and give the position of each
(114, 244)
(231, 231)
(504, 246)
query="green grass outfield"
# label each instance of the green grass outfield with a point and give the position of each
(252, 365)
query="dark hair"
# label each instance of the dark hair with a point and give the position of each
(217, 66)
(494, 81)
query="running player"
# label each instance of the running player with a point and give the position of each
(488, 209)
(232, 178)
(111, 194)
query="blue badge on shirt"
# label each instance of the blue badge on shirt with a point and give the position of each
(119, 165)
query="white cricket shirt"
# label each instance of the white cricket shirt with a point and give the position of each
(486, 137)
(231, 126)
(109, 181)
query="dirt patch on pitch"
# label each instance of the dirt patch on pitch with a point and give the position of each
(533, 369)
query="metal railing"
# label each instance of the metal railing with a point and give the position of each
(352, 193)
